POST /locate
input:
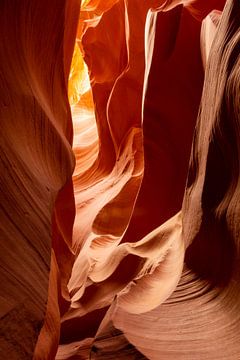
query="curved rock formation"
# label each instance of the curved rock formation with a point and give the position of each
(119, 179)
(36, 162)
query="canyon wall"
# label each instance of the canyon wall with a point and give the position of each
(119, 179)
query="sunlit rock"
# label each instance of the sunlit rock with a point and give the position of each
(119, 179)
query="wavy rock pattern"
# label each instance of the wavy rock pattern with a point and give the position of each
(119, 179)
(36, 162)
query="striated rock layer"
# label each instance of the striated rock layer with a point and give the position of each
(119, 179)
(36, 163)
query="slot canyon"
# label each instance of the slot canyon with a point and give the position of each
(120, 179)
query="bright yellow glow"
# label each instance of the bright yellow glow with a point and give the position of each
(84, 3)
(78, 79)
(85, 140)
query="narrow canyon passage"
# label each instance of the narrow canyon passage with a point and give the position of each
(119, 179)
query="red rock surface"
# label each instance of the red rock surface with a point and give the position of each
(119, 180)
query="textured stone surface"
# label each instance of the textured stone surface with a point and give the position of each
(119, 179)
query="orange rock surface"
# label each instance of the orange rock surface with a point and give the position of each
(119, 182)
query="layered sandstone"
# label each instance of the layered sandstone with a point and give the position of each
(119, 179)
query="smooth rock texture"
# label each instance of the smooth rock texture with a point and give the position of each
(36, 161)
(119, 182)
